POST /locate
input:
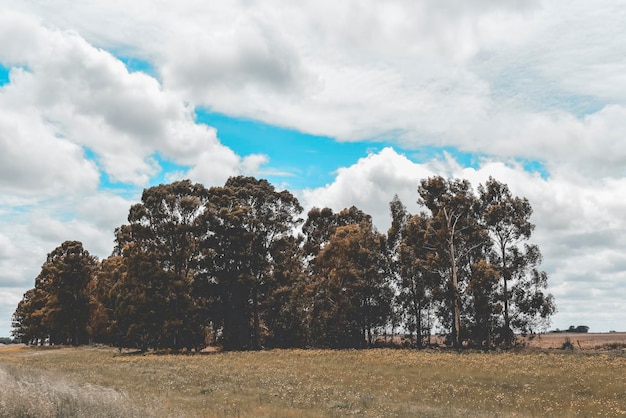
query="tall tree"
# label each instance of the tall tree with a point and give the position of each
(319, 227)
(58, 307)
(351, 290)
(285, 306)
(484, 305)
(102, 299)
(453, 234)
(399, 219)
(163, 236)
(416, 280)
(248, 220)
(141, 309)
(507, 220)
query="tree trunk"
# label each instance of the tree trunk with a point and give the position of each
(507, 319)
(455, 291)
(418, 324)
(255, 307)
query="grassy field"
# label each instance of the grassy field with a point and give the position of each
(310, 383)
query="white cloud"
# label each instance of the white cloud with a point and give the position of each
(105, 210)
(9, 298)
(34, 161)
(370, 184)
(426, 73)
(579, 226)
(541, 80)
(87, 97)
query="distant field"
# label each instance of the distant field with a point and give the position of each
(311, 383)
(583, 341)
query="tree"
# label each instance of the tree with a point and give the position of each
(28, 320)
(484, 303)
(453, 235)
(320, 226)
(160, 246)
(249, 219)
(141, 308)
(322, 223)
(399, 219)
(102, 299)
(351, 292)
(416, 280)
(285, 307)
(507, 220)
(57, 308)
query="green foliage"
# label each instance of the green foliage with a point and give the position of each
(153, 302)
(57, 309)
(454, 240)
(350, 291)
(522, 285)
(231, 265)
(247, 260)
(468, 258)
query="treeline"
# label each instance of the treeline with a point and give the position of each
(238, 266)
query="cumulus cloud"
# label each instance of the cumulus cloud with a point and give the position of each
(83, 96)
(507, 80)
(35, 161)
(578, 227)
(422, 73)
(370, 184)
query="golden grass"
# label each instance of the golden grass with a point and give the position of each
(28, 393)
(311, 383)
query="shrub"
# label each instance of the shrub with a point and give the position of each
(567, 345)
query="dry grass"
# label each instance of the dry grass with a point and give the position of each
(311, 383)
(581, 341)
(27, 393)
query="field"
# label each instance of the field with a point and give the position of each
(580, 341)
(98, 381)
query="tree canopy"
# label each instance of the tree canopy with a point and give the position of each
(238, 265)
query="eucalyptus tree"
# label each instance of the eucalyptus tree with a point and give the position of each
(142, 314)
(28, 321)
(247, 222)
(351, 292)
(161, 248)
(416, 279)
(319, 232)
(453, 234)
(58, 307)
(103, 298)
(285, 306)
(507, 220)
(322, 223)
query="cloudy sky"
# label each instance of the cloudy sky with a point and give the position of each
(341, 102)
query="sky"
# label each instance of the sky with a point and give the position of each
(341, 102)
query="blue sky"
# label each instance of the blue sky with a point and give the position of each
(4, 75)
(108, 99)
(297, 159)
(300, 160)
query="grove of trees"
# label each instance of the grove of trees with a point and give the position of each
(239, 266)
